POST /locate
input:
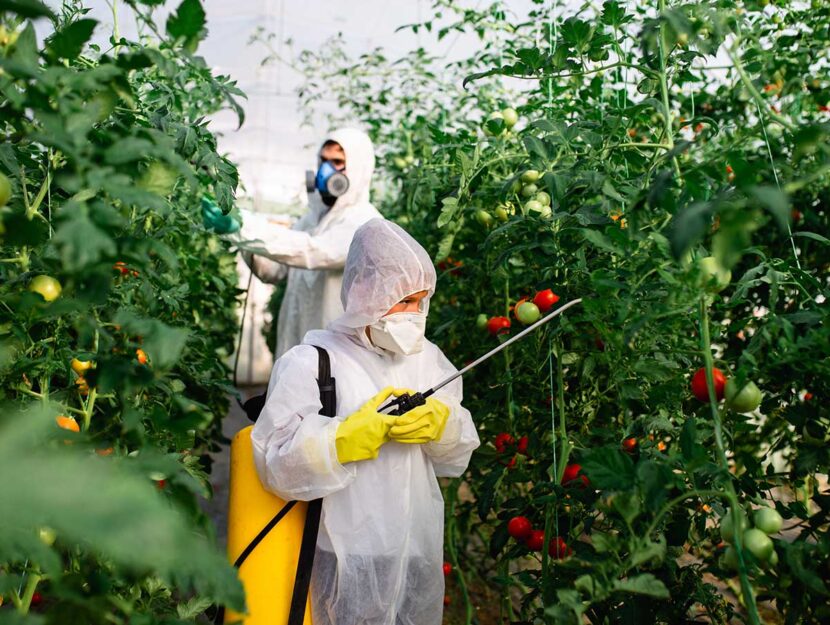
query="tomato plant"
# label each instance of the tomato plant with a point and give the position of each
(106, 270)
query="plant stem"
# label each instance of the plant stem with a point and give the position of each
(731, 495)
(26, 600)
(664, 88)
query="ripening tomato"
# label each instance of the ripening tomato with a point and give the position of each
(83, 386)
(545, 300)
(701, 390)
(571, 473)
(629, 445)
(80, 366)
(558, 548)
(503, 439)
(527, 313)
(67, 423)
(519, 527)
(498, 325)
(446, 600)
(122, 268)
(48, 288)
(141, 356)
(535, 540)
(447, 568)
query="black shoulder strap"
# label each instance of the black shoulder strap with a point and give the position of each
(328, 399)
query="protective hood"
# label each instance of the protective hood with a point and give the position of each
(384, 265)
(360, 164)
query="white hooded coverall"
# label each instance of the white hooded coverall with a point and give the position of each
(312, 252)
(380, 548)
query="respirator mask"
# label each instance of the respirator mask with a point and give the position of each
(400, 333)
(330, 183)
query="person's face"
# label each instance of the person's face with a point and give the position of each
(409, 304)
(334, 154)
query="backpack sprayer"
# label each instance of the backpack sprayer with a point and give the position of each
(407, 402)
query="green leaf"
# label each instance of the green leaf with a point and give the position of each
(645, 584)
(812, 235)
(163, 343)
(188, 23)
(107, 505)
(775, 201)
(647, 551)
(448, 210)
(81, 242)
(608, 468)
(27, 8)
(69, 42)
(600, 240)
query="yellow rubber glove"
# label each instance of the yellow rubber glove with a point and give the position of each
(364, 432)
(422, 424)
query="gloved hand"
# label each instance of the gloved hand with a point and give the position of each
(217, 221)
(422, 424)
(364, 432)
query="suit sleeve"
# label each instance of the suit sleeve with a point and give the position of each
(265, 269)
(294, 448)
(451, 454)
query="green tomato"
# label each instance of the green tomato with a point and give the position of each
(510, 116)
(5, 190)
(501, 213)
(529, 190)
(484, 218)
(744, 399)
(534, 206)
(48, 288)
(543, 197)
(481, 321)
(759, 544)
(768, 520)
(713, 277)
(527, 313)
(409, 159)
(727, 531)
(531, 175)
(729, 559)
(495, 116)
(399, 162)
(47, 536)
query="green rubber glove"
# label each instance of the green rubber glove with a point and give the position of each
(422, 424)
(364, 432)
(215, 220)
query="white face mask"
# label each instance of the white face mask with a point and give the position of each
(401, 333)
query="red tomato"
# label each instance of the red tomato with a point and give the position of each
(535, 540)
(498, 325)
(160, 484)
(121, 267)
(446, 600)
(699, 388)
(502, 440)
(808, 396)
(519, 527)
(511, 464)
(600, 345)
(559, 549)
(571, 473)
(521, 447)
(447, 568)
(37, 599)
(545, 299)
(629, 445)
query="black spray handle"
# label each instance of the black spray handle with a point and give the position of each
(407, 402)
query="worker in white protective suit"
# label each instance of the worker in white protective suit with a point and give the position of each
(380, 546)
(311, 253)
